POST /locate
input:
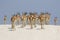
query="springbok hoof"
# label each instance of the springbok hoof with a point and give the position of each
(42, 28)
(35, 26)
(31, 27)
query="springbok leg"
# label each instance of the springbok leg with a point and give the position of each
(31, 25)
(41, 25)
(4, 21)
(34, 23)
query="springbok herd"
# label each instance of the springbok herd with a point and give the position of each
(31, 19)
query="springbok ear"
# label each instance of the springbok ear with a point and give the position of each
(5, 16)
(18, 13)
(55, 17)
(25, 13)
(49, 14)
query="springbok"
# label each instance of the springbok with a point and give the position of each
(18, 18)
(13, 21)
(23, 19)
(5, 19)
(32, 19)
(55, 20)
(47, 18)
(41, 17)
